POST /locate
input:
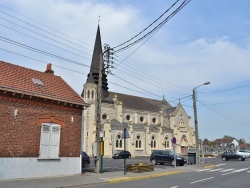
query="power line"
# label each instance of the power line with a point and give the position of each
(44, 30)
(148, 25)
(39, 51)
(45, 25)
(223, 90)
(43, 36)
(44, 42)
(147, 92)
(184, 3)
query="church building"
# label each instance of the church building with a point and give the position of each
(151, 124)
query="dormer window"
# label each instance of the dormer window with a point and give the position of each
(37, 81)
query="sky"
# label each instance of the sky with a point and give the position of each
(204, 41)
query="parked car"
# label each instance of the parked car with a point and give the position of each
(122, 155)
(243, 152)
(232, 155)
(85, 159)
(166, 156)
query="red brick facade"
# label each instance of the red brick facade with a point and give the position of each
(20, 135)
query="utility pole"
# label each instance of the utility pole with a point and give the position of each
(197, 144)
(98, 117)
(107, 55)
(196, 129)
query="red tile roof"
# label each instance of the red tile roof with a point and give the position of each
(19, 79)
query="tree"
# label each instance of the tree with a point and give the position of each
(242, 141)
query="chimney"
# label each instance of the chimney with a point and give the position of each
(48, 69)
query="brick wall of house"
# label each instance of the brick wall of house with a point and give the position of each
(20, 135)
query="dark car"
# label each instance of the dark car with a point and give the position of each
(232, 155)
(85, 159)
(166, 156)
(122, 155)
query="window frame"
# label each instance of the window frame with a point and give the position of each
(50, 141)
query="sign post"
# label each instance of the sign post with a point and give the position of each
(174, 144)
(124, 136)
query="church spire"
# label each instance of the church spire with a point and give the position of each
(94, 69)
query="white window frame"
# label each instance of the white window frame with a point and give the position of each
(119, 141)
(138, 142)
(50, 141)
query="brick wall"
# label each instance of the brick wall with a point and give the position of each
(20, 135)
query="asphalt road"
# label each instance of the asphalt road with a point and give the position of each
(118, 164)
(227, 174)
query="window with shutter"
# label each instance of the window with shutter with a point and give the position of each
(50, 140)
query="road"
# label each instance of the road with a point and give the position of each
(227, 174)
(118, 164)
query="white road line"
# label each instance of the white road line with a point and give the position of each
(174, 187)
(203, 170)
(201, 180)
(240, 170)
(226, 170)
(217, 169)
(248, 171)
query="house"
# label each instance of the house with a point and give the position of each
(223, 144)
(151, 123)
(41, 122)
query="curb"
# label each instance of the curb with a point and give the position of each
(145, 176)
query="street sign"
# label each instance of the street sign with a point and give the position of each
(174, 140)
(125, 134)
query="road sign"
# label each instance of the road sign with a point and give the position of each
(174, 140)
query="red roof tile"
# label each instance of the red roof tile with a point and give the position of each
(19, 79)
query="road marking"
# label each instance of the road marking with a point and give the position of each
(226, 170)
(203, 170)
(240, 170)
(201, 180)
(248, 171)
(217, 169)
(174, 187)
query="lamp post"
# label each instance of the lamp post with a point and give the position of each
(196, 124)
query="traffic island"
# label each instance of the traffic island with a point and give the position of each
(141, 167)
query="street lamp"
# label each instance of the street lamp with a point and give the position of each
(196, 124)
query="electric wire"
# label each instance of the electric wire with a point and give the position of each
(44, 36)
(44, 30)
(40, 51)
(45, 25)
(148, 25)
(45, 42)
(147, 92)
(184, 3)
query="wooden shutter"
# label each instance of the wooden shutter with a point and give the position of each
(45, 141)
(55, 141)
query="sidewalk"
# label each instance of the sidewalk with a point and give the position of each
(93, 178)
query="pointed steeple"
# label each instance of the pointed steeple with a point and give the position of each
(94, 69)
(96, 53)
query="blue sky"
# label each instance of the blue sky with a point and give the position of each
(205, 41)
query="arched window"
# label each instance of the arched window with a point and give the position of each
(166, 142)
(138, 141)
(141, 119)
(88, 94)
(153, 141)
(118, 142)
(93, 94)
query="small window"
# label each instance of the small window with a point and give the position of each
(128, 117)
(141, 119)
(37, 81)
(154, 120)
(104, 116)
